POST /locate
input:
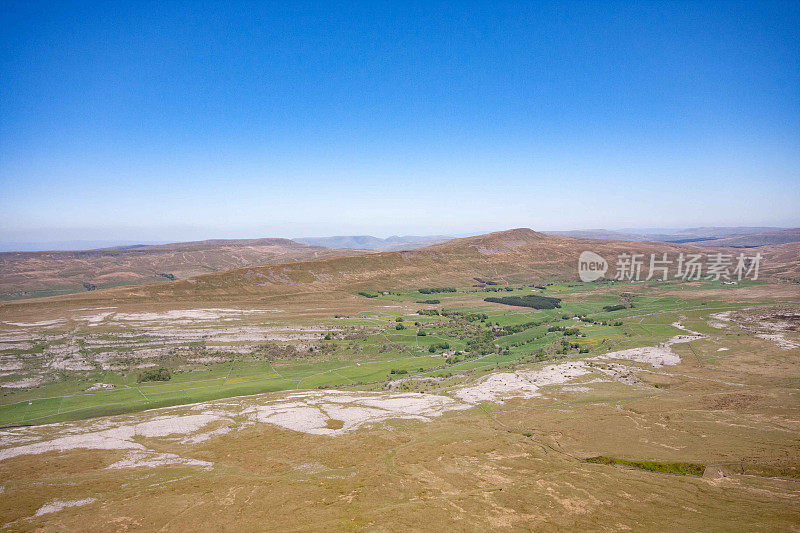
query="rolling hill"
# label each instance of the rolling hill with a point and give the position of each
(512, 256)
(34, 274)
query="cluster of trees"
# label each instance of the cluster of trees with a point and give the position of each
(428, 302)
(154, 374)
(469, 317)
(434, 291)
(618, 307)
(452, 314)
(566, 346)
(170, 277)
(498, 289)
(441, 346)
(368, 294)
(529, 300)
(510, 330)
(567, 331)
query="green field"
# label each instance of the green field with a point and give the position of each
(478, 337)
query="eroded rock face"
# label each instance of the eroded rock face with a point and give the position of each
(522, 384)
(337, 412)
(329, 413)
(778, 325)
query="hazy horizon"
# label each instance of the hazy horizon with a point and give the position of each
(33, 245)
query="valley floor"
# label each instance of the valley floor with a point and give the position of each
(681, 412)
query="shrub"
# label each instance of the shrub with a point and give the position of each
(685, 469)
(421, 333)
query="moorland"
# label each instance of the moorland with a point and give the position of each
(472, 384)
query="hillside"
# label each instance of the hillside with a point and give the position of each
(506, 257)
(513, 256)
(33, 274)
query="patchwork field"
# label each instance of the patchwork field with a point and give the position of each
(95, 361)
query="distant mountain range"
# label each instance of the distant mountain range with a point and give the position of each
(742, 237)
(39, 246)
(368, 242)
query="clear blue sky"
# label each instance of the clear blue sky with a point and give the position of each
(172, 121)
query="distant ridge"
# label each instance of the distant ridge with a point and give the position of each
(368, 242)
(757, 239)
(64, 246)
(35, 274)
(667, 235)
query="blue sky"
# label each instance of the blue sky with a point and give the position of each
(164, 121)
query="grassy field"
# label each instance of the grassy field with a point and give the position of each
(466, 337)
